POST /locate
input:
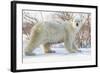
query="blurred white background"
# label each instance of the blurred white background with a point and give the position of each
(5, 36)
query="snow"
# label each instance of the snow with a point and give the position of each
(60, 55)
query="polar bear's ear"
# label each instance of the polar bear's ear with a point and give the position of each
(84, 18)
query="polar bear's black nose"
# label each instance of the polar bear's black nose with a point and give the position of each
(77, 24)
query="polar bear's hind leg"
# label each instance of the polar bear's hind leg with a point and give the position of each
(34, 40)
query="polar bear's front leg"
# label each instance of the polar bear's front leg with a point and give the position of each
(47, 48)
(68, 42)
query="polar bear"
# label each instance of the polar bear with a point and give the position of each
(48, 33)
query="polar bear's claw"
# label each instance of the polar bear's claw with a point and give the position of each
(29, 54)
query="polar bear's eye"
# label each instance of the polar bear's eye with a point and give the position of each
(77, 24)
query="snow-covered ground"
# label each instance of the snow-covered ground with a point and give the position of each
(61, 54)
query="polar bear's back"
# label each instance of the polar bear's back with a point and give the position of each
(54, 32)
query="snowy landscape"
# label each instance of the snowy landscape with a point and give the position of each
(83, 38)
(60, 54)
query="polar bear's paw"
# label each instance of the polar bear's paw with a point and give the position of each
(51, 51)
(29, 54)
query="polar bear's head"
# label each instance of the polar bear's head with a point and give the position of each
(78, 21)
